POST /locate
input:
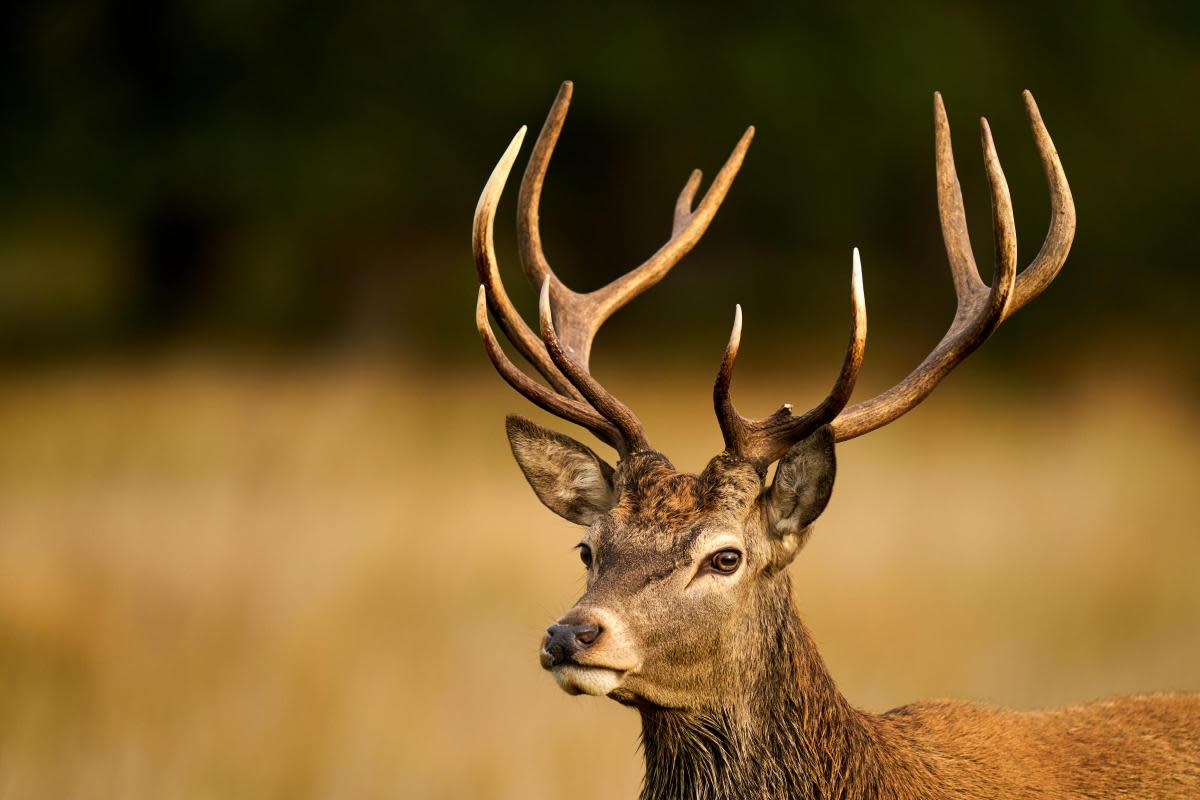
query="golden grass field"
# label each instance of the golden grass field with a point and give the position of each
(231, 580)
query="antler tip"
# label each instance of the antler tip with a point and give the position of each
(1031, 108)
(739, 151)
(564, 93)
(858, 305)
(735, 335)
(744, 143)
(939, 113)
(545, 315)
(985, 136)
(515, 144)
(481, 308)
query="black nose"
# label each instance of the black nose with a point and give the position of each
(564, 641)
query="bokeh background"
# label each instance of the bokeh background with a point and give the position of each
(260, 534)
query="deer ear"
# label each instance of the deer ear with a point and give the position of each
(801, 490)
(567, 476)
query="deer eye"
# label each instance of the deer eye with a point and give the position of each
(726, 561)
(585, 555)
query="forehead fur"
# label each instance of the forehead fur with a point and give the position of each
(652, 493)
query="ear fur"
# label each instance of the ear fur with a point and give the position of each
(570, 479)
(801, 490)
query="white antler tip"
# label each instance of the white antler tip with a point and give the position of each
(545, 316)
(481, 312)
(510, 154)
(735, 335)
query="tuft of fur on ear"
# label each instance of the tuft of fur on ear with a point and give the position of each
(801, 490)
(570, 479)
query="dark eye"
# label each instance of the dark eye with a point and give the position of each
(726, 561)
(585, 555)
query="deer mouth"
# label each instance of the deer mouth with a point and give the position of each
(575, 679)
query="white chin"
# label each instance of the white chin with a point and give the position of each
(575, 679)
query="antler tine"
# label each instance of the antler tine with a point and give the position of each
(687, 227)
(683, 205)
(980, 311)
(529, 235)
(633, 435)
(762, 441)
(566, 407)
(483, 246)
(951, 213)
(580, 315)
(1050, 259)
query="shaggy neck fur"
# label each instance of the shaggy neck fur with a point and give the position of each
(786, 732)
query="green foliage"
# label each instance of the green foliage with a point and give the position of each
(331, 155)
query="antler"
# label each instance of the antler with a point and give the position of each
(762, 441)
(569, 320)
(580, 315)
(980, 309)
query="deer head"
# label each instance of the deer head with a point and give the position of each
(687, 592)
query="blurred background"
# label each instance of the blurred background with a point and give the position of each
(260, 533)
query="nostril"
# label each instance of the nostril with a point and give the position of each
(563, 640)
(560, 644)
(586, 634)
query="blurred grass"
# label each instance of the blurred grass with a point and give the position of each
(328, 580)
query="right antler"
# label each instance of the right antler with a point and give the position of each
(979, 312)
(569, 320)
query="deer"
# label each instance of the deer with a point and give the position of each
(687, 616)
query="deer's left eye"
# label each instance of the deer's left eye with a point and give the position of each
(585, 555)
(726, 561)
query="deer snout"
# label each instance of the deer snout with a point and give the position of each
(564, 639)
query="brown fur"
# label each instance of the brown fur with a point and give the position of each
(734, 697)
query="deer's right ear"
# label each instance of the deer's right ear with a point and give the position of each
(567, 476)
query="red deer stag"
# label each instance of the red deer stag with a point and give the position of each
(688, 615)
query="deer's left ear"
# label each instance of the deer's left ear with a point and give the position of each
(567, 476)
(801, 490)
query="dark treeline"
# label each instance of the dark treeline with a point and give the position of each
(298, 174)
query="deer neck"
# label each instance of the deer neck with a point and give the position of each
(786, 732)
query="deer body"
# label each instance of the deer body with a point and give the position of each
(791, 734)
(688, 615)
(799, 738)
